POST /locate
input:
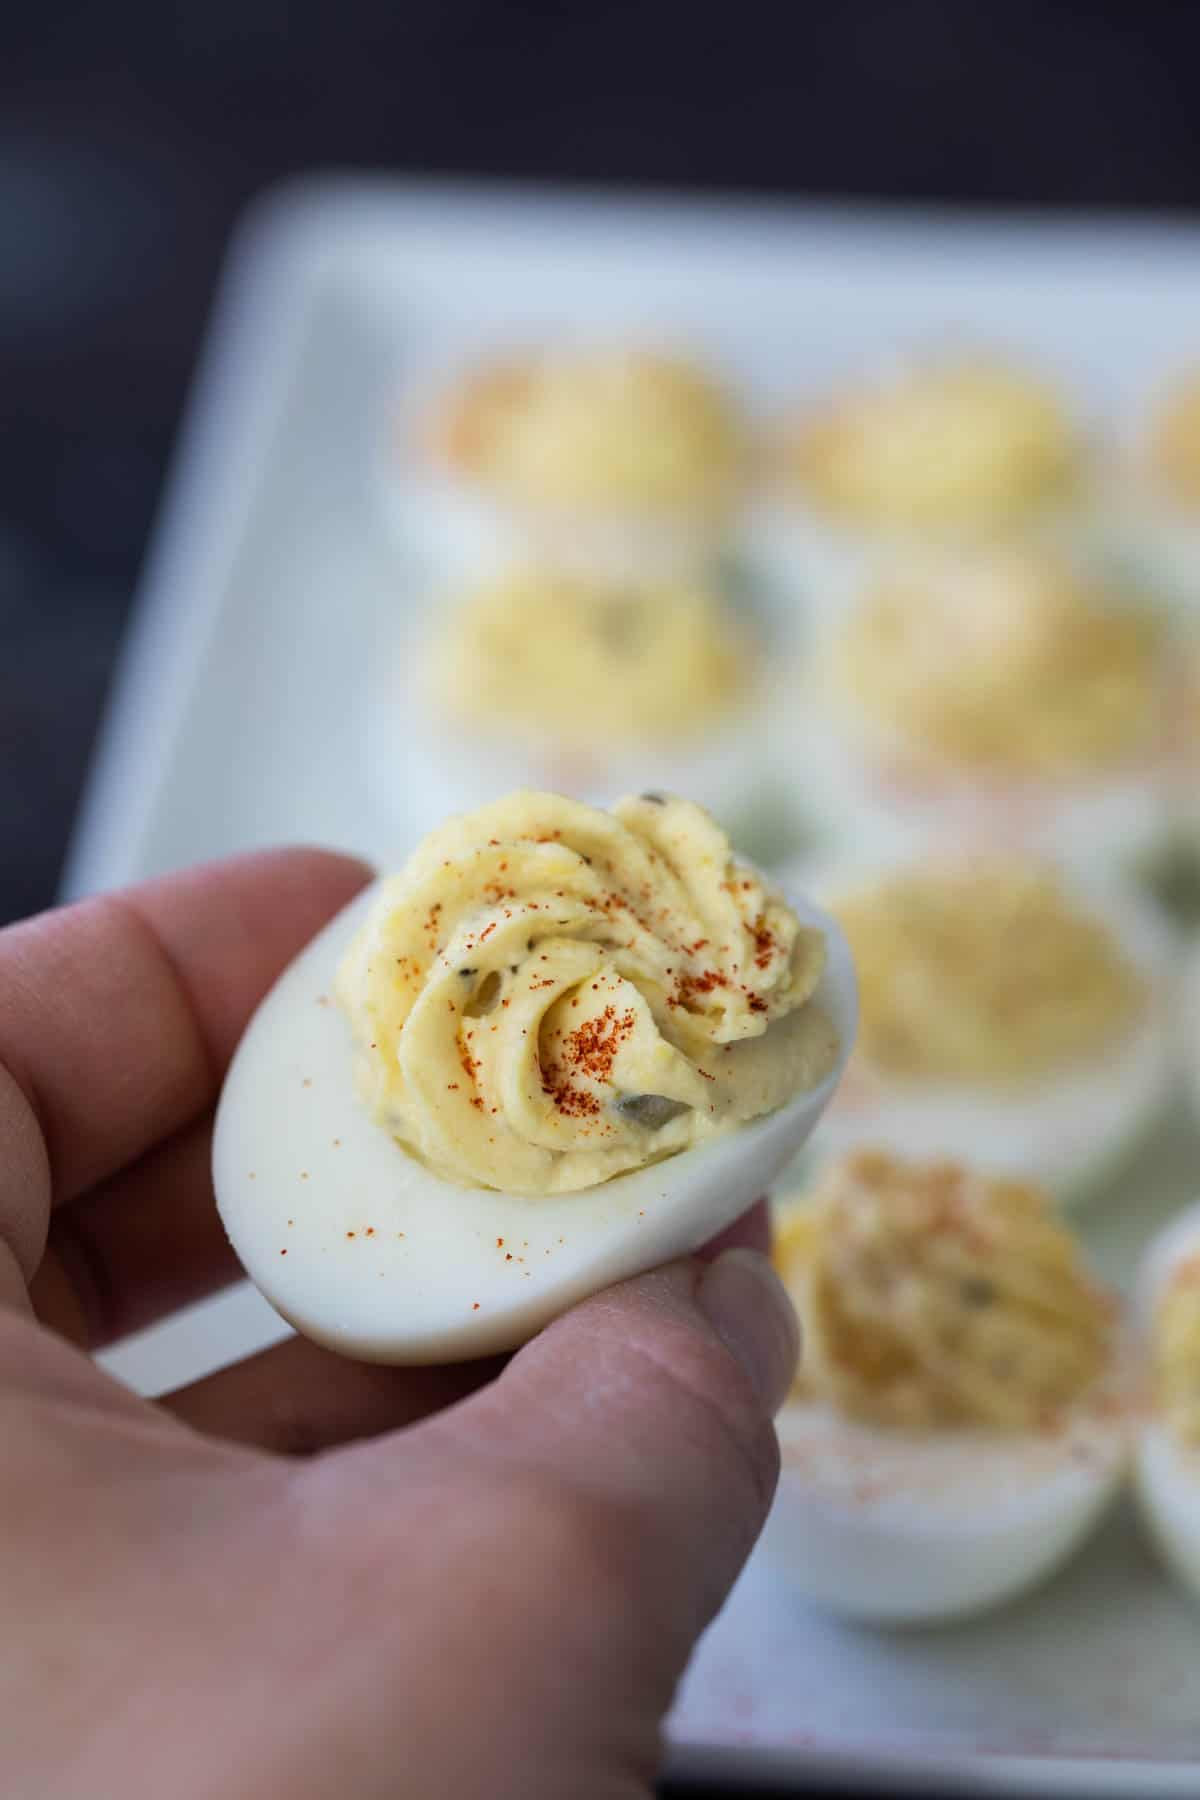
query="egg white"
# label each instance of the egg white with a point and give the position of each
(389, 1262)
(896, 1527)
(1167, 1473)
(1065, 1131)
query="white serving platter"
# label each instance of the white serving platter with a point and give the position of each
(273, 587)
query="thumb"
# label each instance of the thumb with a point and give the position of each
(640, 1430)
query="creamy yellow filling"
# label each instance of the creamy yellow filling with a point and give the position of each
(939, 446)
(1003, 662)
(598, 430)
(586, 664)
(1177, 1350)
(930, 1296)
(548, 995)
(984, 971)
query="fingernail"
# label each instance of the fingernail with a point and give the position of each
(747, 1306)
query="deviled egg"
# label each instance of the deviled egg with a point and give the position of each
(960, 1420)
(1011, 1016)
(609, 459)
(574, 684)
(994, 698)
(953, 449)
(560, 1046)
(1168, 1455)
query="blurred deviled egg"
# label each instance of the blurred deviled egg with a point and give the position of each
(961, 1417)
(950, 449)
(993, 697)
(1010, 1016)
(559, 1047)
(1168, 1456)
(583, 686)
(610, 459)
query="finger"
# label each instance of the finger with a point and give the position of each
(298, 1398)
(603, 1492)
(660, 1395)
(117, 1016)
(136, 1248)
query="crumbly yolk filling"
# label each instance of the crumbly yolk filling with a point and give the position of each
(545, 655)
(932, 1297)
(1004, 662)
(987, 971)
(598, 430)
(939, 446)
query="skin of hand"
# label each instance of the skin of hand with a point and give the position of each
(304, 1575)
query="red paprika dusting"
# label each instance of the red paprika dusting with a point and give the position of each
(765, 943)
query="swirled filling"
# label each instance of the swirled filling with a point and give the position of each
(932, 1297)
(984, 971)
(1004, 662)
(939, 445)
(549, 995)
(603, 430)
(545, 655)
(1177, 1350)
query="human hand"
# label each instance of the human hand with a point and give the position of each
(304, 1575)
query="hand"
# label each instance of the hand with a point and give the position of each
(304, 1576)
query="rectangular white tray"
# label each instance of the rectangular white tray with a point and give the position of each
(234, 722)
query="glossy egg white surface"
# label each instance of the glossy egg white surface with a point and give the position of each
(360, 1247)
(893, 1527)
(1167, 1471)
(1066, 1130)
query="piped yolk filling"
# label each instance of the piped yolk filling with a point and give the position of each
(549, 995)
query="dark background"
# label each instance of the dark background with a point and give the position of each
(132, 134)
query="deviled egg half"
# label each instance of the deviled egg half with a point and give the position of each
(559, 1047)
(1011, 1016)
(959, 448)
(609, 459)
(578, 685)
(1168, 1455)
(994, 698)
(961, 1418)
